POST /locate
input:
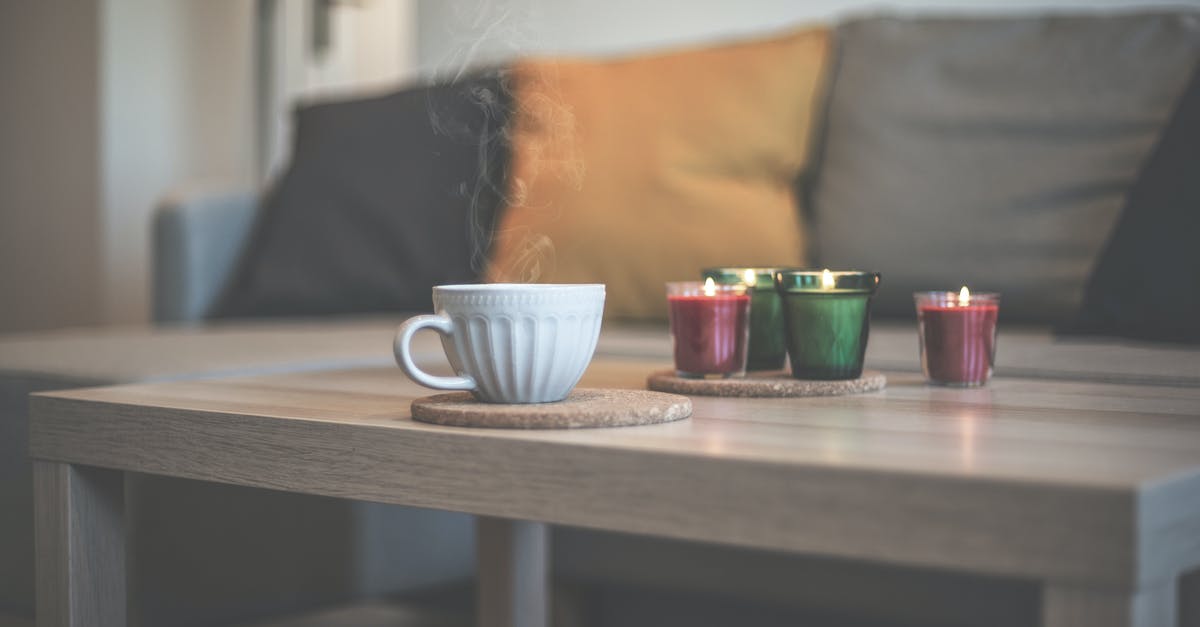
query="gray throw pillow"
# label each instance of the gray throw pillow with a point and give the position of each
(992, 152)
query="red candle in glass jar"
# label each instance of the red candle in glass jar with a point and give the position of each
(958, 336)
(710, 325)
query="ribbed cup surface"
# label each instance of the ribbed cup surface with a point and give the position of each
(522, 343)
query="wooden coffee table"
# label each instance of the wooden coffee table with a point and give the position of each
(1092, 490)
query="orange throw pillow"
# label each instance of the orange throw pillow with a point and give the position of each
(638, 171)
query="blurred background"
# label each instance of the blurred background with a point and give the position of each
(107, 107)
(1028, 136)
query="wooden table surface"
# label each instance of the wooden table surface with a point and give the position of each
(1092, 489)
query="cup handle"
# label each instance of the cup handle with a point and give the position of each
(401, 347)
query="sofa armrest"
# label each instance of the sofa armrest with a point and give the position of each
(197, 241)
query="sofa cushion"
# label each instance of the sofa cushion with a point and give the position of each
(384, 198)
(1147, 282)
(637, 171)
(991, 152)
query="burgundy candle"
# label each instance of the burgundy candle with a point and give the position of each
(958, 336)
(710, 325)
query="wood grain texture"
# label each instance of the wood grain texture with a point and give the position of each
(80, 544)
(1059, 481)
(584, 408)
(513, 559)
(765, 385)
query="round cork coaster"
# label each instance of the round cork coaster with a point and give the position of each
(583, 408)
(775, 384)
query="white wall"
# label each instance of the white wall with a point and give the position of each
(454, 33)
(369, 49)
(177, 108)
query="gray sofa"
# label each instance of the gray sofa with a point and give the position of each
(891, 176)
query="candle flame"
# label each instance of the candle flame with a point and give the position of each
(827, 281)
(710, 288)
(964, 296)
(750, 277)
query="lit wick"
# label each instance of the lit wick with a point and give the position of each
(964, 297)
(827, 281)
(710, 288)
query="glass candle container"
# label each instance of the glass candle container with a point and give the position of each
(827, 320)
(768, 344)
(710, 327)
(957, 336)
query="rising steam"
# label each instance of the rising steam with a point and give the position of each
(538, 130)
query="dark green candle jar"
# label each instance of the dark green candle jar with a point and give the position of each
(768, 344)
(827, 320)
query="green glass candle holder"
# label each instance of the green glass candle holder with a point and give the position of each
(827, 320)
(768, 343)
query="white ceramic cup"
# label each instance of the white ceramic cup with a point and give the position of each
(509, 343)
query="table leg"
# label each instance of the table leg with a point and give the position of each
(513, 558)
(1077, 606)
(79, 545)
